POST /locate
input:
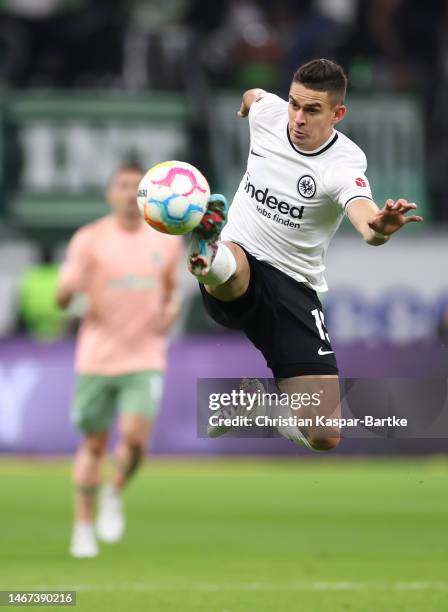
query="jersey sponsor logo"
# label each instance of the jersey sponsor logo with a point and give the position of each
(131, 281)
(264, 197)
(306, 186)
(361, 182)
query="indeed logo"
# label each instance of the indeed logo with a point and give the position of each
(262, 196)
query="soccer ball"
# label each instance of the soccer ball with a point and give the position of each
(172, 197)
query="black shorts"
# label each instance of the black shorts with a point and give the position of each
(283, 318)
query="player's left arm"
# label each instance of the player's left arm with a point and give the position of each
(376, 225)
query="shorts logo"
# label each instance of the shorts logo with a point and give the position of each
(361, 182)
(306, 186)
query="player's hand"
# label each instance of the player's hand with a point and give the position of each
(244, 109)
(392, 217)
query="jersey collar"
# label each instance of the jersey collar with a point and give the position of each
(324, 147)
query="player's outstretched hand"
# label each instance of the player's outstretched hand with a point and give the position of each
(389, 219)
(244, 110)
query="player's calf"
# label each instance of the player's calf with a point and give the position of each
(87, 473)
(128, 456)
(86, 480)
(315, 403)
(110, 524)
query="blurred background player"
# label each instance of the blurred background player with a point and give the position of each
(128, 275)
(302, 177)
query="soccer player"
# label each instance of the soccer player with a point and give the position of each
(128, 275)
(262, 272)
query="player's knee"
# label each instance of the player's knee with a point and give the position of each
(324, 443)
(95, 445)
(134, 442)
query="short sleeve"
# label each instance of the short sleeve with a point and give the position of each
(347, 182)
(266, 102)
(74, 271)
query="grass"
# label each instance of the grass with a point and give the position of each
(241, 536)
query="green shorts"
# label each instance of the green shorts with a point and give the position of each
(97, 399)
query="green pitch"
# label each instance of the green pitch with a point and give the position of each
(241, 536)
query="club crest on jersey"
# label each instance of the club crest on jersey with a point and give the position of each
(306, 186)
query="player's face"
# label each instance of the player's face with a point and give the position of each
(311, 116)
(122, 193)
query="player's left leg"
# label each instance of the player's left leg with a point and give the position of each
(133, 436)
(86, 480)
(138, 401)
(315, 401)
(314, 404)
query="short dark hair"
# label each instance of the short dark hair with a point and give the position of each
(323, 75)
(130, 166)
(125, 166)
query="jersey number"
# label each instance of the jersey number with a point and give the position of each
(320, 322)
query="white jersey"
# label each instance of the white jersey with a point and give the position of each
(290, 202)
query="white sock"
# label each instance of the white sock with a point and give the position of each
(222, 268)
(83, 525)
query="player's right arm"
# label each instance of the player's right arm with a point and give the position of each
(348, 187)
(377, 225)
(63, 296)
(249, 97)
(74, 272)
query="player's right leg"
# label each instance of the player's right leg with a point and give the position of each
(221, 267)
(86, 481)
(92, 414)
(223, 271)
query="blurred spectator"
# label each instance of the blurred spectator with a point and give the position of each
(256, 47)
(56, 42)
(39, 314)
(306, 30)
(394, 40)
(438, 120)
(198, 46)
(339, 11)
(236, 44)
(442, 327)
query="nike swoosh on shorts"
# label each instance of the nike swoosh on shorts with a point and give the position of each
(322, 352)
